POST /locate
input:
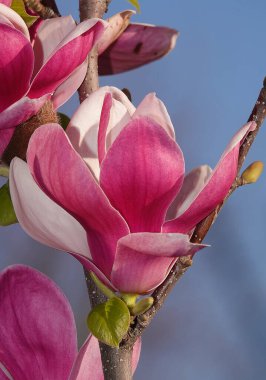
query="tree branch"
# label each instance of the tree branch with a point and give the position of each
(45, 9)
(161, 293)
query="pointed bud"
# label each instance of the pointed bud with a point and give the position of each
(142, 306)
(130, 299)
(252, 172)
(106, 291)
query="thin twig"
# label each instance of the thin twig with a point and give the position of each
(161, 293)
(45, 12)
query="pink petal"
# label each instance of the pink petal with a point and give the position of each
(69, 86)
(69, 54)
(143, 260)
(4, 375)
(89, 360)
(16, 64)
(193, 184)
(84, 126)
(104, 121)
(49, 35)
(154, 108)
(138, 45)
(141, 174)
(116, 26)
(37, 334)
(21, 111)
(41, 217)
(15, 20)
(6, 2)
(65, 178)
(215, 188)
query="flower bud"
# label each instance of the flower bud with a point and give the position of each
(142, 306)
(252, 173)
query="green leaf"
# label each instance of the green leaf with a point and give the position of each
(19, 7)
(4, 170)
(7, 213)
(135, 3)
(64, 120)
(109, 321)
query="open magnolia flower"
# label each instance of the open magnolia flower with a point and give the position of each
(38, 337)
(53, 69)
(104, 190)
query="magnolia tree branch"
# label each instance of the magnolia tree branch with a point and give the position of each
(161, 293)
(45, 9)
(116, 362)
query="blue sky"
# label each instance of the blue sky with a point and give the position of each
(213, 325)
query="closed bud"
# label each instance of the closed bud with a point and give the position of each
(252, 173)
(142, 306)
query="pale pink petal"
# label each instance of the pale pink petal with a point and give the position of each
(37, 327)
(15, 74)
(143, 260)
(215, 188)
(5, 137)
(41, 217)
(89, 360)
(15, 20)
(69, 54)
(141, 174)
(69, 86)
(193, 184)
(65, 178)
(49, 35)
(21, 111)
(84, 125)
(138, 45)
(116, 26)
(154, 108)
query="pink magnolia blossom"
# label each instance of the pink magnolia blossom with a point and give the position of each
(106, 189)
(54, 68)
(38, 337)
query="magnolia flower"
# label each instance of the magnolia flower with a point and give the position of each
(102, 193)
(38, 337)
(54, 68)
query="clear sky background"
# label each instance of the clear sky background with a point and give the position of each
(213, 325)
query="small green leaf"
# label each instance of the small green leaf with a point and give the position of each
(106, 291)
(135, 3)
(109, 321)
(7, 213)
(142, 306)
(64, 120)
(4, 170)
(19, 7)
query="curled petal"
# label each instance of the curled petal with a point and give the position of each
(21, 111)
(141, 174)
(138, 45)
(15, 20)
(34, 313)
(5, 137)
(154, 108)
(64, 177)
(193, 184)
(89, 360)
(6, 2)
(15, 74)
(116, 26)
(49, 35)
(69, 54)
(84, 125)
(214, 190)
(143, 260)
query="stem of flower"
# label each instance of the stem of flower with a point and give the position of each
(116, 362)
